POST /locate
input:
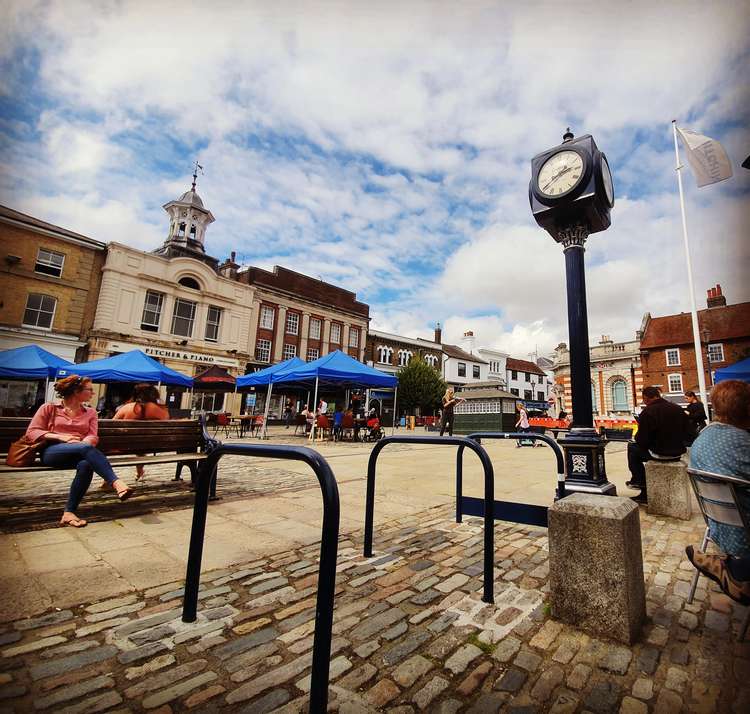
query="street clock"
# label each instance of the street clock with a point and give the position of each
(571, 184)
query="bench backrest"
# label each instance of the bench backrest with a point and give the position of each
(126, 437)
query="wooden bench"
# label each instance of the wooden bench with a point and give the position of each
(129, 443)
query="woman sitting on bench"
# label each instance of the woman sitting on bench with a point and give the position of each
(70, 430)
(143, 405)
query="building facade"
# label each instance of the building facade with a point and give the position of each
(616, 378)
(50, 284)
(496, 364)
(299, 316)
(667, 347)
(48, 294)
(389, 353)
(526, 380)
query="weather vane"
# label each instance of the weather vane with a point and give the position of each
(196, 168)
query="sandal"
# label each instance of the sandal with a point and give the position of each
(74, 522)
(125, 493)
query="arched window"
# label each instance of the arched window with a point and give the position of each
(594, 407)
(181, 231)
(192, 231)
(619, 396)
(191, 283)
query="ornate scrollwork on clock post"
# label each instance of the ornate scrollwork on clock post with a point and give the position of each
(571, 194)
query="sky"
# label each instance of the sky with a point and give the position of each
(385, 147)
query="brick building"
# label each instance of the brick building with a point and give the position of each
(300, 316)
(616, 378)
(668, 352)
(50, 284)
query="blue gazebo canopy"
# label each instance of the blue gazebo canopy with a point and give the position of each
(30, 362)
(739, 370)
(263, 377)
(133, 366)
(337, 369)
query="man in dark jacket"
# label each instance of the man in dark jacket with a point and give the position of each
(662, 430)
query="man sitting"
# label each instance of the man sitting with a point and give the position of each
(662, 430)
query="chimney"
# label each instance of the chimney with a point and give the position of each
(715, 297)
(228, 269)
(438, 334)
(467, 341)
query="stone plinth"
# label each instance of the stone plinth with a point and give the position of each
(596, 566)
(668, 488)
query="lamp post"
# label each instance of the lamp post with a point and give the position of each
(571, 194)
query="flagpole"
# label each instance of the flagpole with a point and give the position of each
(693, 311)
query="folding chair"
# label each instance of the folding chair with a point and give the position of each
(718, 498)
(224, 423)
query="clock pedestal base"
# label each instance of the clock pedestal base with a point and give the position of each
(585, 470)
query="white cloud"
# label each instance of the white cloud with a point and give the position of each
(387, 146)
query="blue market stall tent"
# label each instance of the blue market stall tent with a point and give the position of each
(739, 370)
(337, 369)
(26, 364)
(133, 366)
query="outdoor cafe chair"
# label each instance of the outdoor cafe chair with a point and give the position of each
(224, 423)
(323, 427)
(347, 426)
(719, 500)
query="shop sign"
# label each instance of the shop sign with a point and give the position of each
(168, 353)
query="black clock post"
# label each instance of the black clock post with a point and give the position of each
(571, 195)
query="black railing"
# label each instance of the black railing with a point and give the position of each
(489, 495)
(328, 549)
(526, 513)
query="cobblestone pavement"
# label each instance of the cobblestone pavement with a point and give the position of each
(410, 635)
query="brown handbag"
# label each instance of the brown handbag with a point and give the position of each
(23, 452)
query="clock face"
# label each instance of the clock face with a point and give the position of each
(609, 188)
(560, 173)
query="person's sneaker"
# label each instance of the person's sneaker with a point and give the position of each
(640, 498)
(715, 567)
(633, 484)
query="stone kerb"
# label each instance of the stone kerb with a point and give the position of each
(668, 488)
(596, 565)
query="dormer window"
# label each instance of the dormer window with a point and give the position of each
(191, 283)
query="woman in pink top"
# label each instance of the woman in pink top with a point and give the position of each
(71, 432)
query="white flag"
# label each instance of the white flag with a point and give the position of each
(706, 157)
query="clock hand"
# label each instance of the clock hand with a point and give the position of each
(557, 176)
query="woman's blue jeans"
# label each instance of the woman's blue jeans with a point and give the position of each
(86, 460)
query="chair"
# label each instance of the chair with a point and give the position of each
(322, 426)
(300, 422)
(718, 497)
(347, 426)
(257, 424)
(224, 423)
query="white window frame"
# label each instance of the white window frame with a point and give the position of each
(266, 317)
(47, 261)
(671, 351)
(210, 323)
(178, 303)
(151, 326)
(353, 337)
(478, 369)
(677, 376)
(292, 324)
(715, 345)
(335, 333)
(317, 323)
(458, 369)
(263, 350)
(289, 351)
(40, 311)
(312, 353)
